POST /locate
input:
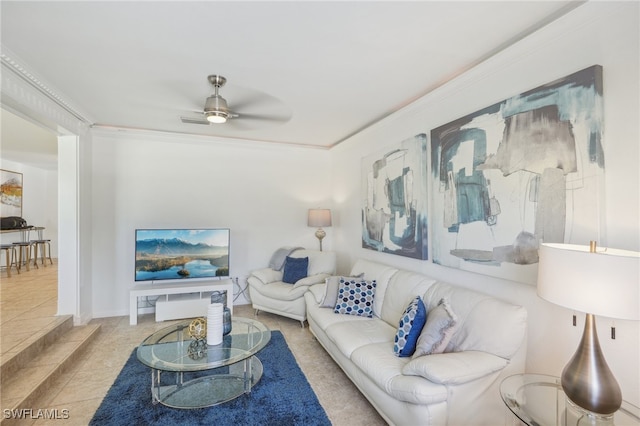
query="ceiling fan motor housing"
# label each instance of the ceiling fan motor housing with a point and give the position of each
(215, 109)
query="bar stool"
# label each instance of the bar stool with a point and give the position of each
(24, 253)
(42, 244)
(10, 254)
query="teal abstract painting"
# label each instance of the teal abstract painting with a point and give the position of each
(518, 173)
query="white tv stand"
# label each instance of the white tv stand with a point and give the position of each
(177, 301)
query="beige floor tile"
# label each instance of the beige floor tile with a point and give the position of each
(78, 413)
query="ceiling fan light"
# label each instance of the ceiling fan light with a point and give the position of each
(217, 117)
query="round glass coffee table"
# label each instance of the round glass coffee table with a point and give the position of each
(538, 400)
(187, 373)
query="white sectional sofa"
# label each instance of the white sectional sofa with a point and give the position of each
(457, 387)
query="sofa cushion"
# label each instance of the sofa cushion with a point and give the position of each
(381, 366)
(295, 269)
(455, 368)
(355, 297)
(375, 271)
(403, 287)
(331, 288)
(409, 328)
(437, 332)
(350, 335)
(485, 323)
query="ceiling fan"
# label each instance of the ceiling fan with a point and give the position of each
(216, 110)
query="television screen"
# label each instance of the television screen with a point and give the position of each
(170, 254)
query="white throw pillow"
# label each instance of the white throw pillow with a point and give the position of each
(441, 325)
(332, 285)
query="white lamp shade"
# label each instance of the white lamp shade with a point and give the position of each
(605, 283)
(319, 218)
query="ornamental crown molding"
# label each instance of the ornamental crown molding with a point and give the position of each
(22, 87)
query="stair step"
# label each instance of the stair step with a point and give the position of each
(23, 353)
(32, 380)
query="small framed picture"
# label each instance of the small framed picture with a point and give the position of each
(10, 193)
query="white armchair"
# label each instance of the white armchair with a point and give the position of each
(269, 293)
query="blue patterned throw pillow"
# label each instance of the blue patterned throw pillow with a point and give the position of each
(411, 323)
(295, 268)
(355, 297)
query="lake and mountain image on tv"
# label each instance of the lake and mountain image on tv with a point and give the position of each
(171, 254)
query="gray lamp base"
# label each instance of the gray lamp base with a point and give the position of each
(587, 380)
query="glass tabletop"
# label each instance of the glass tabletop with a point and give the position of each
(173, 349)
(538, 400)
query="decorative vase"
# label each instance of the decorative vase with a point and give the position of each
(220, 296)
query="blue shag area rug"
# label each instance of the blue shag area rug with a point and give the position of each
(282, 397)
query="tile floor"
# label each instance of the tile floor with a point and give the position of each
(28, 302)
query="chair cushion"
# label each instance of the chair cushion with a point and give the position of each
(280, 291)
(267, 275)
(320, 262)
(295, 269)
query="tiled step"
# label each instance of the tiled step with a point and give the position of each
(37, 371)
(28, 348)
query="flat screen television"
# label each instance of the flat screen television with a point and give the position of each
(175, 254)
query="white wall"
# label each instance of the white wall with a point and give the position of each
(596, 33)
(260, 191)
(39, 201)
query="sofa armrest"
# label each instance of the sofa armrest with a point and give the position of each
(454, 368)
(311, 280)
(267, 275)
(317, 290)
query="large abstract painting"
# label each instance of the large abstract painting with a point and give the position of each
(394, 208)
(520, 172)
(10, 193)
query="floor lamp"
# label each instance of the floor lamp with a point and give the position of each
(317, 219)
(596, 281)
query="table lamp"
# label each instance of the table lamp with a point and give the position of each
(317, 219)
(596, 281)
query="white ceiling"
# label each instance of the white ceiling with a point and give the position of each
(325, 70)
(23, 142)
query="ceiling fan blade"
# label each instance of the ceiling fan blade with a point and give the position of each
(263, 117)
(193, 120)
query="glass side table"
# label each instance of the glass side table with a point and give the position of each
(538, 400)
